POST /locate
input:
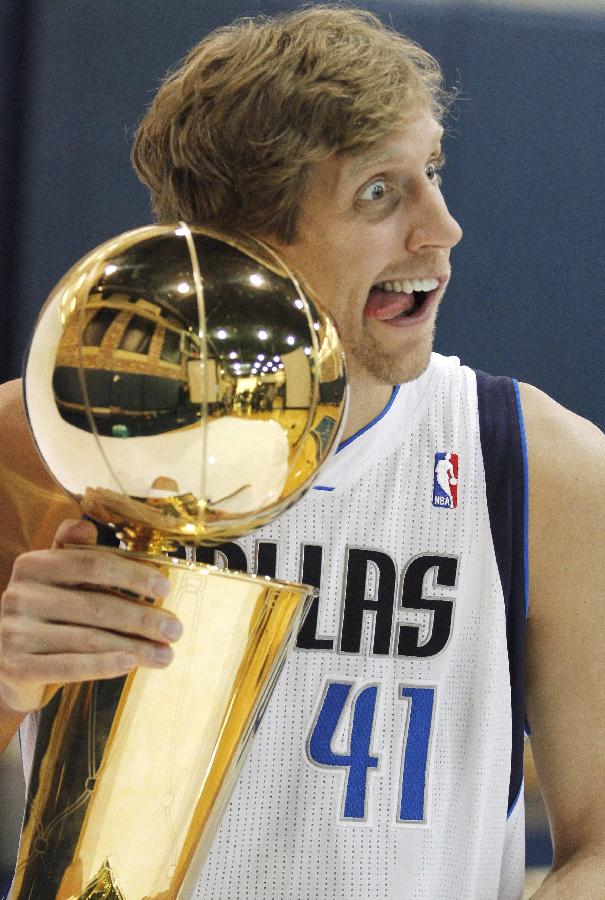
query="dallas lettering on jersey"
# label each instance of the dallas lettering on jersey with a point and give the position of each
(390, 636)
(415, 621)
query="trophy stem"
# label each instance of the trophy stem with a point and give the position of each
(151, 758)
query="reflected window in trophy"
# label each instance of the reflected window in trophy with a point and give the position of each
(127, 360)
(95, 330)
(171, 347)
(137, 335)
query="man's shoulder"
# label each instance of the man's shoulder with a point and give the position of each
(20, 463)
(32, 503)
(11, 399)
(566, 463)
(558, 438)
(17, 442)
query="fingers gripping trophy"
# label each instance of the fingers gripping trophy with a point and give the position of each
(184, 390)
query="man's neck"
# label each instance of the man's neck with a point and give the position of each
(366, 401)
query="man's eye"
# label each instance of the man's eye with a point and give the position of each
(376, 190)
(432, 170)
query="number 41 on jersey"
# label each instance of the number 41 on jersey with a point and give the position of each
(340, 707)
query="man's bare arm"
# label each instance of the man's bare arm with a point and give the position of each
(565, 662)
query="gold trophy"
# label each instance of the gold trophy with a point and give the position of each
(182, 387)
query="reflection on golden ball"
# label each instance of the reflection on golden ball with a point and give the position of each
(182, 387)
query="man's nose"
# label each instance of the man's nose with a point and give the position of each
(434, 225)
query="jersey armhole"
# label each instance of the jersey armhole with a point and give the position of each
(504, 453)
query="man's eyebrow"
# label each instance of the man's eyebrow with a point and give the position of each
(371, 158)
(374, 155)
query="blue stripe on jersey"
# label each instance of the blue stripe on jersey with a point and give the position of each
(514, 803)
(526, 493)
(504, 460)
(367, 427)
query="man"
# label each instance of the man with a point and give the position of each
(388, 763)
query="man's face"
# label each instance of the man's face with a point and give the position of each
(372, 227)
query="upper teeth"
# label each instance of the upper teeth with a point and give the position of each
(418, 284)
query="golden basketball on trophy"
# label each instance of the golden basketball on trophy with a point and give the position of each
(184, 389)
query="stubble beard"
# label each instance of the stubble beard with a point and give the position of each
(367, 355)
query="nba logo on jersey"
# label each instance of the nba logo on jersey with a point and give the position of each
(445, 480)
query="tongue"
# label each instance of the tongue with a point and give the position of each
(387, 304)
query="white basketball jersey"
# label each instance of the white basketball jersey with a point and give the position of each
(388, 763)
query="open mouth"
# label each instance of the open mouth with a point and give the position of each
(386, 305)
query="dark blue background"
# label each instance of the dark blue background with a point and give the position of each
(524, 175)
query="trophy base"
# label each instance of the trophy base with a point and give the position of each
(150, 759)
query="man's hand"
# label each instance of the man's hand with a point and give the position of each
(59, 622)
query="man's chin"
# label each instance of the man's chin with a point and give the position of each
(392, 369)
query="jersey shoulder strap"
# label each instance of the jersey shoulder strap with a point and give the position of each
(505, 463)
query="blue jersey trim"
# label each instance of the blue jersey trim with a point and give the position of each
(506, 495)
(525, 493)
(371, 424)
(514, 803)
(525, 510)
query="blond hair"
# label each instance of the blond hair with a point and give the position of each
(231, 135)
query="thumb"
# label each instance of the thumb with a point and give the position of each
(75, 531)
